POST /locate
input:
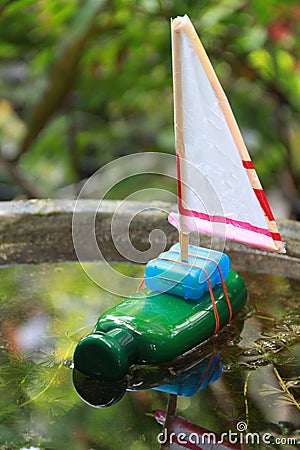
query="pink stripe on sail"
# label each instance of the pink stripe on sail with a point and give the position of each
(225, 220)
(226, 230)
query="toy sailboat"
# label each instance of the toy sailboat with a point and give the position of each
(192, 292)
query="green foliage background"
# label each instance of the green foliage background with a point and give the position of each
(84, 82)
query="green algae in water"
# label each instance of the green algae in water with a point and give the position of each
(46, 309)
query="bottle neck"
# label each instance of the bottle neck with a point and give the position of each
(106, 355)
(126, 340)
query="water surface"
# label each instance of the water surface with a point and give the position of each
(46, 309)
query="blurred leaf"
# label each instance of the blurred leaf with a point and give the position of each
(253, 39)
(220, 11)
(262, 61)
(63, 70)
(11, 126)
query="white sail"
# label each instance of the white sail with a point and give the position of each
(218, 189)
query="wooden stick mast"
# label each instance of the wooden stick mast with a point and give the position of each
(178, 126)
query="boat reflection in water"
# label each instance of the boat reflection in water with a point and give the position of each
(101, 394)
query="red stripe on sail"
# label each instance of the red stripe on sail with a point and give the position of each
(264, 203)
(276, 237)
(261, 197)
(248, 164)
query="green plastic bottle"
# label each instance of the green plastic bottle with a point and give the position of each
(149, 329)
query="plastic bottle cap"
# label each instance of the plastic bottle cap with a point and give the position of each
(104, 356)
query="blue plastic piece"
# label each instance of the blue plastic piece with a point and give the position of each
(188, 280)
(196, 379)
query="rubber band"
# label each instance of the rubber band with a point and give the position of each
(211, 360)
(221, 278)
(141, 284)
(212, 357)
(213, 302)
(212, 298)
(215, 369)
